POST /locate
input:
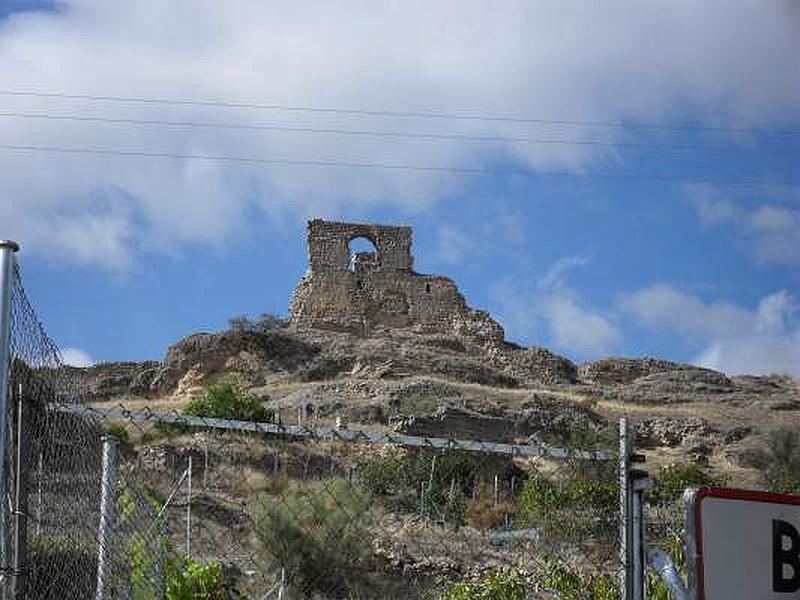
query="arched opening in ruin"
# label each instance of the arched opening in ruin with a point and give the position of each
(362, 251)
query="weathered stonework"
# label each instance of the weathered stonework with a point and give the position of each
(372, 290)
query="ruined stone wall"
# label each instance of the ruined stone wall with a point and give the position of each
(380, 289)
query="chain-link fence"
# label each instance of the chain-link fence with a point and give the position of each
(180, 506)
(56, 477)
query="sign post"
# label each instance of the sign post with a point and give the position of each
(742, 545)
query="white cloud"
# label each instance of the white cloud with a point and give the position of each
(555, 275)
(555, 308)
(771, 230)
(733, 339)
(579, 60)
(577, 327)
(76, 357)
(452, 245)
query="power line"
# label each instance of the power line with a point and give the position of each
(400, 114)
(389, 166)
(365, 132)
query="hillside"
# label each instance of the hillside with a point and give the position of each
(449, 386)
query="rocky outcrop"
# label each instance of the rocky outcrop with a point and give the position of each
(616, 370)
(535, 365)
(251, 355)
(539, 416)
(459, 423)
(555, 416)
(115, 379)
(669, 432)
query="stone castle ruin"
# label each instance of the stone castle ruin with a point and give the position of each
(362, 292)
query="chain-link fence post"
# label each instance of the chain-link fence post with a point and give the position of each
(639, 482)
(189, 509)
(7, 250)
(625, 531)
(21, 501)
(632, 485)
(104, 537)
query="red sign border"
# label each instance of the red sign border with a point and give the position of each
(700, 494)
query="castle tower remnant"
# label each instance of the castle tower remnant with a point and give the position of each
(358, 291)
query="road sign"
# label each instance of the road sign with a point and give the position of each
(742, 545)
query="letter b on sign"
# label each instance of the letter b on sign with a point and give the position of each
(785, 559)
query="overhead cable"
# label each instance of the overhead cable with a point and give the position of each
(426, 114)
(365, 132)
(390, 166)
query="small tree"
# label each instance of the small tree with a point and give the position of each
(319, 533)
(673, 479)
(780, 462)
(227, 399)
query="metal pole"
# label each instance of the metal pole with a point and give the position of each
(7, 250)
(205, 468)
(39, 495)
(21, 503)
(189, 509)
(104, 535)
(638, 559)
(624, 512)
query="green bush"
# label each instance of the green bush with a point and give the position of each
(570, 585)
(672, 480)
(119, 431)
(319, 533)
(227, 399)
(198, 581)
(573, 506)
(386, 476)
(540, 497)
(587, 438)
(448, 478)
(497, 585)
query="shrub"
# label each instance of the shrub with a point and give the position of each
(266, 322)
(447, 477)
(119, 431)
(319, 533)
(485, 514)
(572, 509)
(227, 399)
(386, 476)
(575, 499)
(540, 497)
(589, 438)
(497, 585)
(198, 581)
(780, 463)
(570, 585)
(673, 479)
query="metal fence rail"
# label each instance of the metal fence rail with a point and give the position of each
(330, 433)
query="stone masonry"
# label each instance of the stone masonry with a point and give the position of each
(364, 291)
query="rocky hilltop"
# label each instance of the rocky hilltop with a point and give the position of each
(373, 342)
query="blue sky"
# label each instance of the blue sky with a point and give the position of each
(682, 243)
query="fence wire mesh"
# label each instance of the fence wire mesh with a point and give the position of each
(209, 508)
